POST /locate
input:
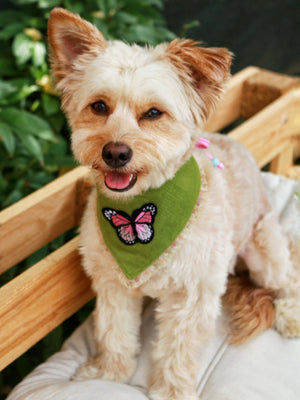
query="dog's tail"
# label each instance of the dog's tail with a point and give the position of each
(250, 308)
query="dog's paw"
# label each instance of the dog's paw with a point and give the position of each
(116, 369)
(287, 320)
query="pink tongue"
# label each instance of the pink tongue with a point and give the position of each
(117, 180)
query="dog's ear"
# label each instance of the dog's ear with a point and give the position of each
(70, 36)
(204, 70)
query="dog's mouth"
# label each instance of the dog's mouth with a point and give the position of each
(119, 181)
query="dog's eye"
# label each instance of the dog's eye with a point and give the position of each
(152, 113)
(100, 107)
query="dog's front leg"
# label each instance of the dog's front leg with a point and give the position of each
(186, 320)
(117, 320)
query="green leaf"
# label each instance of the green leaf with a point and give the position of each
(46, 135)
(38, 53)
(13, 197)
(51, 104)
(61, 161)
(39, 179)
(141, 33)
(32, 145)
(49, 3)
(6, 89)
(26, 91)
(7, 137)
(39, 22)
(15, 90)
(22, 48)
(75, 7)
(57, 121)
(157, 3)
(126, 18)
(25, 2)
(20, 82)
(11, 30)
(7, 66)
(102, 5)
(8, 17)
(38, 72)
(25, 124)
(58, 149)
(35, 105)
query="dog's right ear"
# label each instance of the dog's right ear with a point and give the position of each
(204, 72)
(70, 36)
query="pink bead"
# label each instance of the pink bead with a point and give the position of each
(202, 143)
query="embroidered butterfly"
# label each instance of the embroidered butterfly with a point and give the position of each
(137, 228)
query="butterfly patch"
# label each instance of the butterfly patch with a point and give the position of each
(137, 228)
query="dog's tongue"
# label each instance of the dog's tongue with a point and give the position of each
(117, 180)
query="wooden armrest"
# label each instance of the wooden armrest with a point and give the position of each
(268, 132)
(39, 218)
(229, 109)
(40, 299)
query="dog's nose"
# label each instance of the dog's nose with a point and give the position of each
(116, 154)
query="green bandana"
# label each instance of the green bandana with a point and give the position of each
(137, 232)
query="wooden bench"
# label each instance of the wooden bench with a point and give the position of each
(42, 297)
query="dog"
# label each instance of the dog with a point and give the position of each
(169, 213)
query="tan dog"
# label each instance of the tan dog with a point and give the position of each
(136, 115)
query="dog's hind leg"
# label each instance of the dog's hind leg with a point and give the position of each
(268, 259)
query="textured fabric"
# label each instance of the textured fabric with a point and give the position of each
(175, 202)
(266, 368)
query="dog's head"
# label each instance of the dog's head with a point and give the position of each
(135, 112)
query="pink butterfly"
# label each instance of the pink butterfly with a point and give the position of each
(137, 228)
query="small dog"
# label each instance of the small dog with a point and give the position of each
(167, 217)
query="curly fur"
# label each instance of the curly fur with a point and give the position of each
(251, 309)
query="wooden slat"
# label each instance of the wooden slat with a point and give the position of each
(293, 172)
(263, 88)
(284, 161)
(41, 298)
(267, 133)
(39, 218)
(229, 108)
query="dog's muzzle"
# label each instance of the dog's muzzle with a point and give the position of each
(117, 155)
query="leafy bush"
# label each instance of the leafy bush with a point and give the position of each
(34, 134)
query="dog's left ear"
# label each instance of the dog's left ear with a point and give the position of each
(70, 37)
(204, 72)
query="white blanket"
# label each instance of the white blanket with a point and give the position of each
(267, 368)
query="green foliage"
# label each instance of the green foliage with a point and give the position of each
(34, 134)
